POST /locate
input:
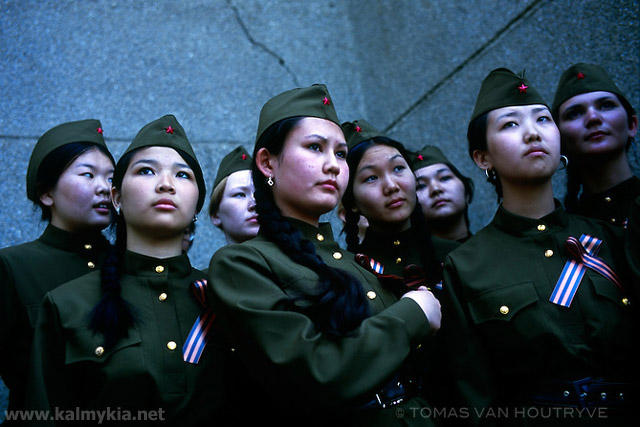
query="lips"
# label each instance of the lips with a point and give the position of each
(536, 149)
(252, 219)
(103, 206)
(165, 204)
(329, 184)
(599, 134)
(440, 202)
(395, 203)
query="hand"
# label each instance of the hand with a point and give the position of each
(429, 304)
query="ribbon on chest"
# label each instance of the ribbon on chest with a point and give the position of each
(198, 336)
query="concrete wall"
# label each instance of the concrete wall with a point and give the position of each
(412, 68)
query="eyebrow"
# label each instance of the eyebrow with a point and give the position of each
(323, 138)
(438, 172)
(156, 163)
(601, 99)
(392, 158)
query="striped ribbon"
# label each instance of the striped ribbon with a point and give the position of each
(584, 253)
(197, 338)
(376, 266)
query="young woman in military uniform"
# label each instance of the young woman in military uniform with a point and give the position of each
(232, 207)
(443, 193)
(597, 125)
(319, 337)
(527, 318)
(69, 177)
(133, 335)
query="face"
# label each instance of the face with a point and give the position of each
(523, 144)
(595, 123)
(311, 172)
(384, 188)
(236, 214)
(80, 199)
(159, 193)
(440, 192)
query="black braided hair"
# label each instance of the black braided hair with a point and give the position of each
(418, 224)
(339, 305)
(112, 316)
(477, 138)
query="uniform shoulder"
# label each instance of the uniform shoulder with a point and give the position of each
(21, 250)
(83, 288)
(477, 242)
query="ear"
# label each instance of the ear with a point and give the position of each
(482, 159)
(115, 198)
(265, 162)
(46, 199)
(633, 126)
(215, 220)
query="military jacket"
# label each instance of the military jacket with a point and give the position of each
(295, 368)
(504, 336)
(72, 367)
(612, 205)
(632, 243)
(27, 272)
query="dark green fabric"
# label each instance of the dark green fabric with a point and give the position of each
(312, 101)
(500, 357)
(164, 132)
(293, 368)
(89, 131)
(582, 78)
(27, 272)
(236, 160)
(632, 244)
(503, 88)
(358, 131)
(612, 205)
(140, 372)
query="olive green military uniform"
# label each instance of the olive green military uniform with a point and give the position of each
(613, 205)
(27, 272)
(145, 370)
(507, 342)
(296, 370)
(632, 244)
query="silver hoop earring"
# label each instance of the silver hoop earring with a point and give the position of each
(270, 181)
(565, 162)
(486, 172)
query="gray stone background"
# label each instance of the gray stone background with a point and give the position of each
(411, 68)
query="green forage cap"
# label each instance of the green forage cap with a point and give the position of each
(164, 132)
(312, 101)
(237, 160)
(358, 131)
(582, 78)
(88, 131)
(503, 88)
(430, 155)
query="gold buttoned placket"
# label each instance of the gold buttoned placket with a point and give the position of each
(504, 309)
(320, 237)
(542, 227)
(159, 269)
(171, 345)
(371, 295)
(548, 253)
(99, 351)
(337, 255)
(162, 297)
(90, 264)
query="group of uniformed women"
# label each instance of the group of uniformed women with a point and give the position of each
(537, 308)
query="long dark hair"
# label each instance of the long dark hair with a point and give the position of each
(477, 138)
(54, 164)
(430, 264)
(574, 180)
(338, 305)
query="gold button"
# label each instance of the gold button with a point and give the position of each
(542, 227)
(320, 237)
(504, 309)
(607, 199)
(171, 345)
(87, 247)
(626, 301)
(613, 220)
(337, 255)
(159, 269)
(91, 265)
(371, 295)
(162, 296)
(419, 346)
(548, 253)
(396, 243)
(398, 260)
(99, 351)
(233, 349)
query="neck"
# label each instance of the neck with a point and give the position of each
(601, 175)
(450, 229)
(531, 201)
(156, 247)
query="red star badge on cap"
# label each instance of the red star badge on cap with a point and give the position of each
(169, 130)
(420, 157)
(326, 101)
(523, 88)
(99, 130)
(580, 75)
(244, 156)
(358, 129)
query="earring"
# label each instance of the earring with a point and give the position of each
(565, 161)
(118, 210)
(486, 172)
(195, 219)
(270, 181)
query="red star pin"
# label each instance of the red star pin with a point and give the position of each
(169, 130)
(358, 129)
(244, 156)
(523, 88)
(420, 157)
(580, 75)
(326, 101)
(99, 130)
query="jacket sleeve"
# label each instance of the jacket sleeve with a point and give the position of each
(287, 352)
(632, 246)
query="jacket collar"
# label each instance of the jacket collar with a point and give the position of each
(524, 226)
